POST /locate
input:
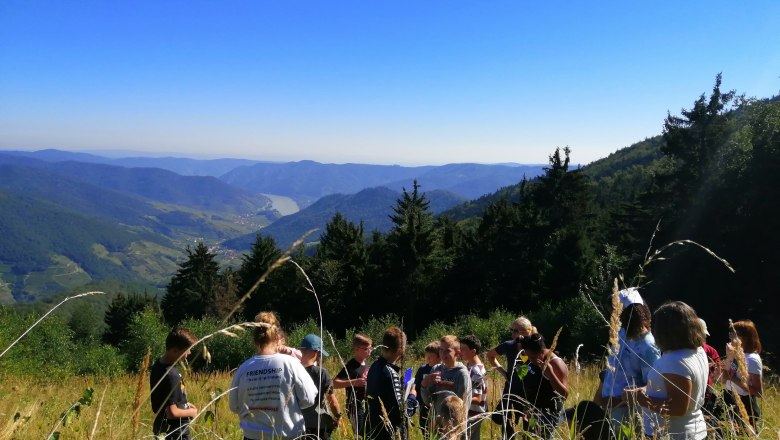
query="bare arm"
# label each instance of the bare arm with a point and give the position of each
(174, 412)
(492, 358)
(558, 374)
(678, 390)
(349, 383)
(333, 403)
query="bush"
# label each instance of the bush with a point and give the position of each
(490, 331)
(46, 352)
(581, 325)
(146, 331)
(226, 352)
(100, 360)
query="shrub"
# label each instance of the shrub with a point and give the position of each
(226, 352)
(146, 331)
(46, 352)
(99, 360)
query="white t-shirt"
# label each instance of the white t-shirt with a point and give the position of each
(754, 366)
(692, 365)
(270, 391)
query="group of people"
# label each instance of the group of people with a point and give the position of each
(660, 371)
(660, 375)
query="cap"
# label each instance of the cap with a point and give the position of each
(312, 342)
(630, 296)
(704, 326)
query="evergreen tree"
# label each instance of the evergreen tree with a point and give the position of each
(120, 313)
(253, 265)
(339, 269)
(410, 246)
(192, 290)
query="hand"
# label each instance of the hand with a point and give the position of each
(431, 379)
(633, 396)
(411, 406)
(359, 382)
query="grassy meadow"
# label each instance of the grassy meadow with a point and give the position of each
(32, 409)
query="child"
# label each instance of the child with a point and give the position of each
(353, 378)
(469, 351)
(270, 389)
(318, 421)
(431, 360)
(384, 390)
(448, 378)
(172, 412)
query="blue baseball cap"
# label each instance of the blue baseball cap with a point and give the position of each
(312, 342)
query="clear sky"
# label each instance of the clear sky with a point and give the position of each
(417, 82)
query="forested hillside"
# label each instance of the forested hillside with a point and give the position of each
(552, 245)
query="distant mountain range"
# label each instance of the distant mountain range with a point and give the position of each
(307, 181)
(372, 206)
(67, 219)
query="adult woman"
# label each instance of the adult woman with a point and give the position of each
(630, 366)
(544, 385)
(270, 389)
(750, 388)
(508, 408)
(676, 384)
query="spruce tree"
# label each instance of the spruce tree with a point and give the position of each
(192, 290)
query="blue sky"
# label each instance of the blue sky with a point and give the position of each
(423, 82)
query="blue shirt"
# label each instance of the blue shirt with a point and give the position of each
(630, 367)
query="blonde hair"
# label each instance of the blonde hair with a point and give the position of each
(451, 423)
(525, 324)
(452, 341)
(268, 333)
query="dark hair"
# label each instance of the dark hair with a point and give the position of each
(269, 330)
(471, 342)
(676, 326)
(534, 343)
(634, 319)
(748, 334)
(361, 340)
(180, 338)
(394, 339)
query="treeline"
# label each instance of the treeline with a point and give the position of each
(549, 247)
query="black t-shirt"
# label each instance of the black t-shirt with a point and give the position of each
(170, 391)
(354, 370)
(324, 384)
(418, 377)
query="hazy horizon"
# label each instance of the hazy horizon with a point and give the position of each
(387, 83)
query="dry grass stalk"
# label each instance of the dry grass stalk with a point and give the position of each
(614, 322)
(549, 354)
(97, 414)
(14, 423)
(139, 391)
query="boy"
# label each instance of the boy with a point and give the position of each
(172, 412)
(448, 378)
(318, 421)
(353, 378)
(431, 360)
(384, 391)
(469, 351)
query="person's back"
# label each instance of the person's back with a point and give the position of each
(384, 389)
(172, 411)
(270, 389)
